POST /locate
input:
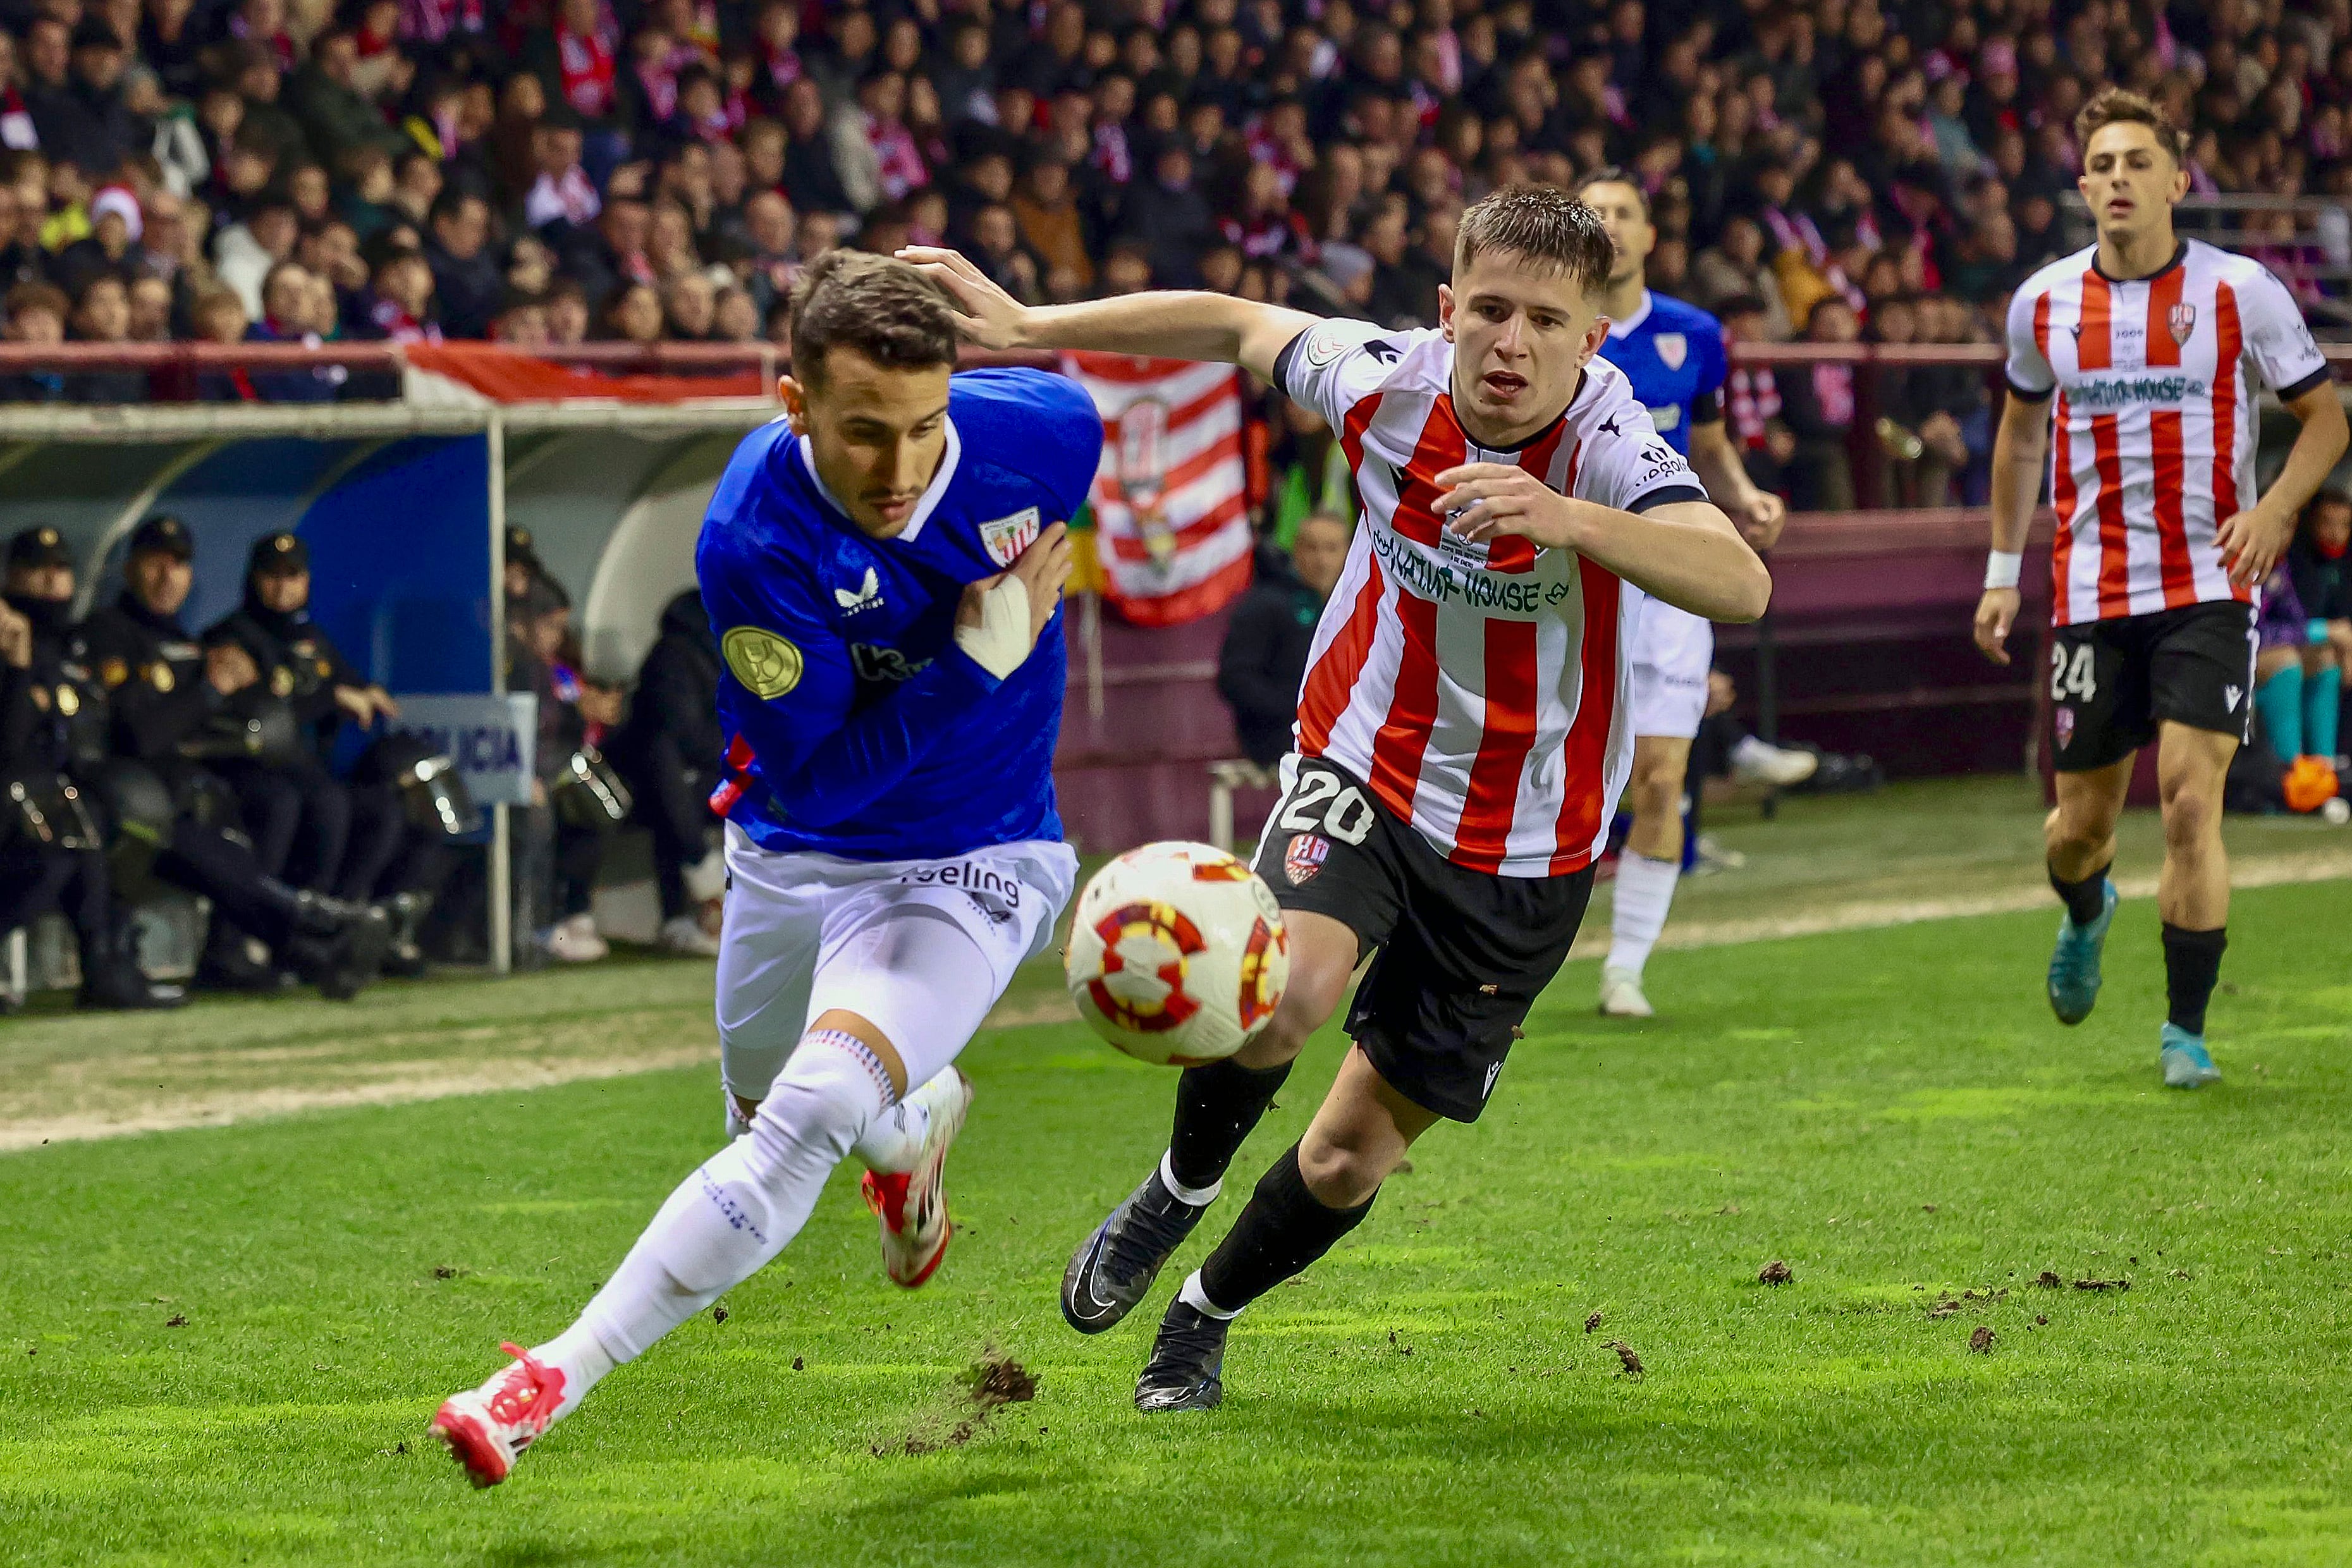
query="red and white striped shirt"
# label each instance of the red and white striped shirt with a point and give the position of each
(2153, 438)
(1479, 691)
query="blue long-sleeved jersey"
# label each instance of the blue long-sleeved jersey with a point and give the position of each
(1672, 353)
(855, 725)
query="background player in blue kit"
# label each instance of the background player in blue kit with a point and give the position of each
(1672, 353)
(883, 570)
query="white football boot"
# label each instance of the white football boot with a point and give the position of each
(487, 1428)
(1621, 995)
(913, 1205)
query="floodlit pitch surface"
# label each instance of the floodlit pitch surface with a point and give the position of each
(223, 1346)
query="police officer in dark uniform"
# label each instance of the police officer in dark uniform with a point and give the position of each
(338, 946)
(350, 834)
(164, 689)
(165, 692)
(51, 854)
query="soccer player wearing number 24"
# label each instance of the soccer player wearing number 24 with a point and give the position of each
(1462, 730)
(884, 568)
(2152, 346)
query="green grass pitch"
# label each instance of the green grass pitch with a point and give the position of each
(1892, 1112)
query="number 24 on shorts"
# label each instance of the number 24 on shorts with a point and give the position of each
(1322, 801)
(2072, 674)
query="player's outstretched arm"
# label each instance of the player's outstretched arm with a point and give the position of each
(2018, 448)
(1686, 552)
(1164, 323)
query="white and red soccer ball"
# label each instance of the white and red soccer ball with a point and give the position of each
(1177, 954)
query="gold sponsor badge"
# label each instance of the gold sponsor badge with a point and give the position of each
(766, 664)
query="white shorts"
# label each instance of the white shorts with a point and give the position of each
(920, 949)
(1673, 650)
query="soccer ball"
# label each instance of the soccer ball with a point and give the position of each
(1177, 954)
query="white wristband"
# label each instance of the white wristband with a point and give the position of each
(2003, 567)
(1002, 640)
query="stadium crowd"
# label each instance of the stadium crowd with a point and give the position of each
(553, 171)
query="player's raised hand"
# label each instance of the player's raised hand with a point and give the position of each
(988, 315)
(1483, 502)
(1996, 613)
(2251, 543)
(1043, 569)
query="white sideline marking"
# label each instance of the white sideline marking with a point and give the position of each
(221, 1110)
(2266, 871)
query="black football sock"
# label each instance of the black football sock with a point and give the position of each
(2193, 963)
(1216, 1107)
(1285, 1229)
(2084, 899)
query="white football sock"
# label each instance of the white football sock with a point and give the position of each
(583, 1360)
(1646, 891)
(727, 1219)
(895, 1139)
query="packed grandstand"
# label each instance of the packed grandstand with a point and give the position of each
(551, 173)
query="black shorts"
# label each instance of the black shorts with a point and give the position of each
(2112, 682)
(1463, 954)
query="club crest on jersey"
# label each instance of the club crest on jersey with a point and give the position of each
(1304, 858)
(2064, 720)
(2182, 321)
(1007, 537)
(1673, 349)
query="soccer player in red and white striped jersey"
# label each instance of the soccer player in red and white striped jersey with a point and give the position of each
(2154, 349)
(1463, 731)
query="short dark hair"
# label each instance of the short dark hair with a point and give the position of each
(876, 305)
(2118, 105)
(1542, 222)
(35, 295)
(1610, 175)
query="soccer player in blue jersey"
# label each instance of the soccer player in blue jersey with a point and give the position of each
(884, 568)
(1672, 353)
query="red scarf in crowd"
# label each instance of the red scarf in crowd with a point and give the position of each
(1755, 402)
(586, 62)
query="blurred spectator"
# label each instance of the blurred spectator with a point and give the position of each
(36, 315)
(1817, 403)
(669, 749)
(560, 861)
(466, 278)
(1265, 654)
